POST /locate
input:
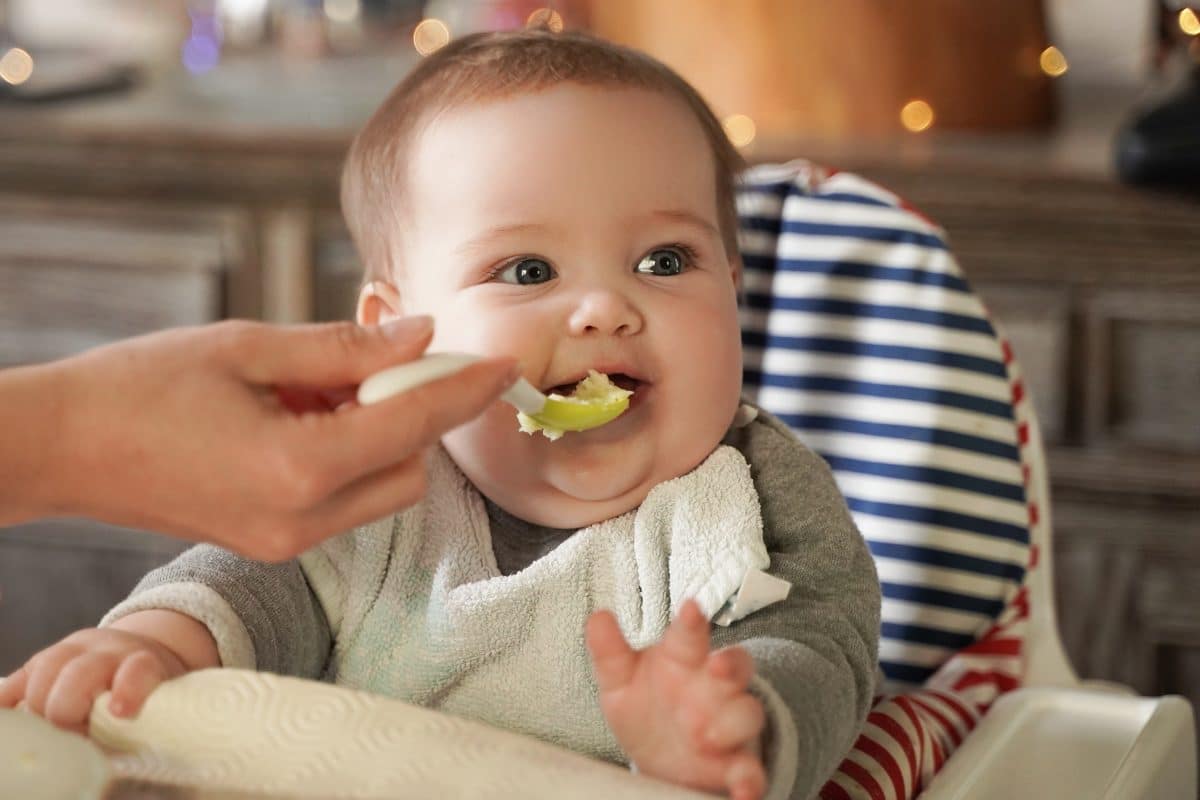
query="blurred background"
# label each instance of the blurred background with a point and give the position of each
(171, 162)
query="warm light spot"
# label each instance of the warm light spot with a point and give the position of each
(1189, 22)
(343, 10)
(1053, 62)
(740, 129)
(430, 35)
(545, 16)
(916, 116)
(16, 66)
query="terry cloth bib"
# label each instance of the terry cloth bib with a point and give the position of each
(446, 630)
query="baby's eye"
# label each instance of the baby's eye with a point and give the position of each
(664, 261)
(526, 272)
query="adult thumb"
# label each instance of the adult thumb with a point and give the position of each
(333, 354)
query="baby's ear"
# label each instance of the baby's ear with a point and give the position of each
(378, 302)
(735, 264)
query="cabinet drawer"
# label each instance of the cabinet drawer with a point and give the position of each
(73, 276)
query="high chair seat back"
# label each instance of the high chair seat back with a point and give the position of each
(861, 333)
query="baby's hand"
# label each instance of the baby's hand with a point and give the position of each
(680, 712)
(61, 682)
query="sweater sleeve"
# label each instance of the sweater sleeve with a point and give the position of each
(815, 652)
(263, 616)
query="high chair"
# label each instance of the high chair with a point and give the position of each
(861, 333)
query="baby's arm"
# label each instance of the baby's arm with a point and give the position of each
(261, 616)
(814, 652)
(207, 608)
(131, 658)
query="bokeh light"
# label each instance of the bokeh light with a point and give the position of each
(202, 49)
(16, 66)
(430, 35)
(1189, 22)
(1053, 62)
(740, 129)
(917, 116)
(545, 16)
(343, 10)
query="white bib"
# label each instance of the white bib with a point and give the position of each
(446, 630)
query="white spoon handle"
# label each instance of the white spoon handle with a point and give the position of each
(403, 377)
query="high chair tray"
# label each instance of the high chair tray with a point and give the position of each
(1074, 743)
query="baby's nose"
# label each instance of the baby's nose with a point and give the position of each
(605, 312)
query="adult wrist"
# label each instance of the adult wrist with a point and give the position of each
(34, 402)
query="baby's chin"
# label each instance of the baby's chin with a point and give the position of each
(582, 502)
(572, 500)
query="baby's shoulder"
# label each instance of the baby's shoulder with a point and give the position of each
(767, 440)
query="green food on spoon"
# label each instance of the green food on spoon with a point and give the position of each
(596, 401)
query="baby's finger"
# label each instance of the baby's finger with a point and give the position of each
(613, 660)
(79, 683)
(732, 664)
(745, 777)
(137, 676)
(686, 640)
(12, 688)
(43, 672)
(737, 723)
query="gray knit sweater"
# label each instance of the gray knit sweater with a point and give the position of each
(814, 652)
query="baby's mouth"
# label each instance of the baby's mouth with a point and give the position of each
(619, 378)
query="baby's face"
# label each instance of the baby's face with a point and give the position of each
(577, 229)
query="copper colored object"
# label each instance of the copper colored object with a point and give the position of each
(815, 67)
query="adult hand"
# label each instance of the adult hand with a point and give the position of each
(236, 433)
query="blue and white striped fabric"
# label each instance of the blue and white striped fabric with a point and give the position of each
(862, 335)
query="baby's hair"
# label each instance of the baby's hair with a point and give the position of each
(487, 66)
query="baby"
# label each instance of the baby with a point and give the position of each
(568, 202)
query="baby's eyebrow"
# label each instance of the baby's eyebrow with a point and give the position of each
(685, 217)
(673, 215)
(499, 232)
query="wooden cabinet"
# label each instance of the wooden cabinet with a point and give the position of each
(75, 274)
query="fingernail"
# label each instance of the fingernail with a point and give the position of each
(407, 328)
(117, 707)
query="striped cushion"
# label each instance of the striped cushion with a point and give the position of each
(861, 333)
(908, 737)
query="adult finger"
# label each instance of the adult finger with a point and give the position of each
(745, 777)
(12, 688)
(79, 683)
(363, 440)
(135, 678)
(365, 500)
(736, 723)
(330, 354)
(732, 665)
(613, 660)
(687, 639)
(301, 400)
